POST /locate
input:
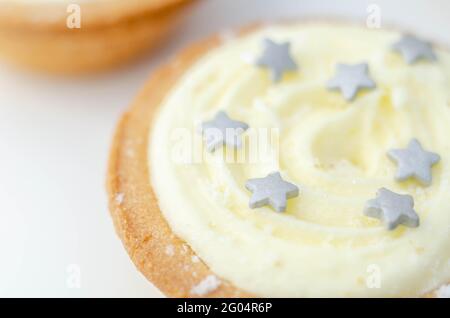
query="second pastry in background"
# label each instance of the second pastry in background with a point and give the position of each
(72, 37)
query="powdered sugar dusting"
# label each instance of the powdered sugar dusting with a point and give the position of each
(195, 259)
(207, 285)
(170, 250)
(130, 153)
(443, 292)
(119, 198)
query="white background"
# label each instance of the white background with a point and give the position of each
(54, 141)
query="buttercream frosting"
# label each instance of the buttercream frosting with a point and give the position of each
(333, 150)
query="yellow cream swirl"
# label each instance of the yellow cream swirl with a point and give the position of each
(335, 151)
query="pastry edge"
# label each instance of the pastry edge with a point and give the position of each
(138, 221)
(146, 237)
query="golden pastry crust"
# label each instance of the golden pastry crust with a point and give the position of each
(133, 205)
(102, 42)
(96, 13)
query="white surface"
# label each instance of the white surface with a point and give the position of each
(54, 141)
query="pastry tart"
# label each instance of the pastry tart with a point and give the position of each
(62, 36)
(292, 160)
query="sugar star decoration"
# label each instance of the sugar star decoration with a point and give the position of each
(271, 190)
(349, 79)
(392, 208)
(222, 130)
(414, 162)
(277, 58)
(414, 49)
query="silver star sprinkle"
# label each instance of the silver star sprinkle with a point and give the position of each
(414, 49)
(414, 162)
(392, 208)
(277, 58)
(349, 79)
(271, 190)
(222, 130)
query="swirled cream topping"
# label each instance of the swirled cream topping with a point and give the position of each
(334, 150)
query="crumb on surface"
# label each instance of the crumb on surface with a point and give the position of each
(209, 284)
